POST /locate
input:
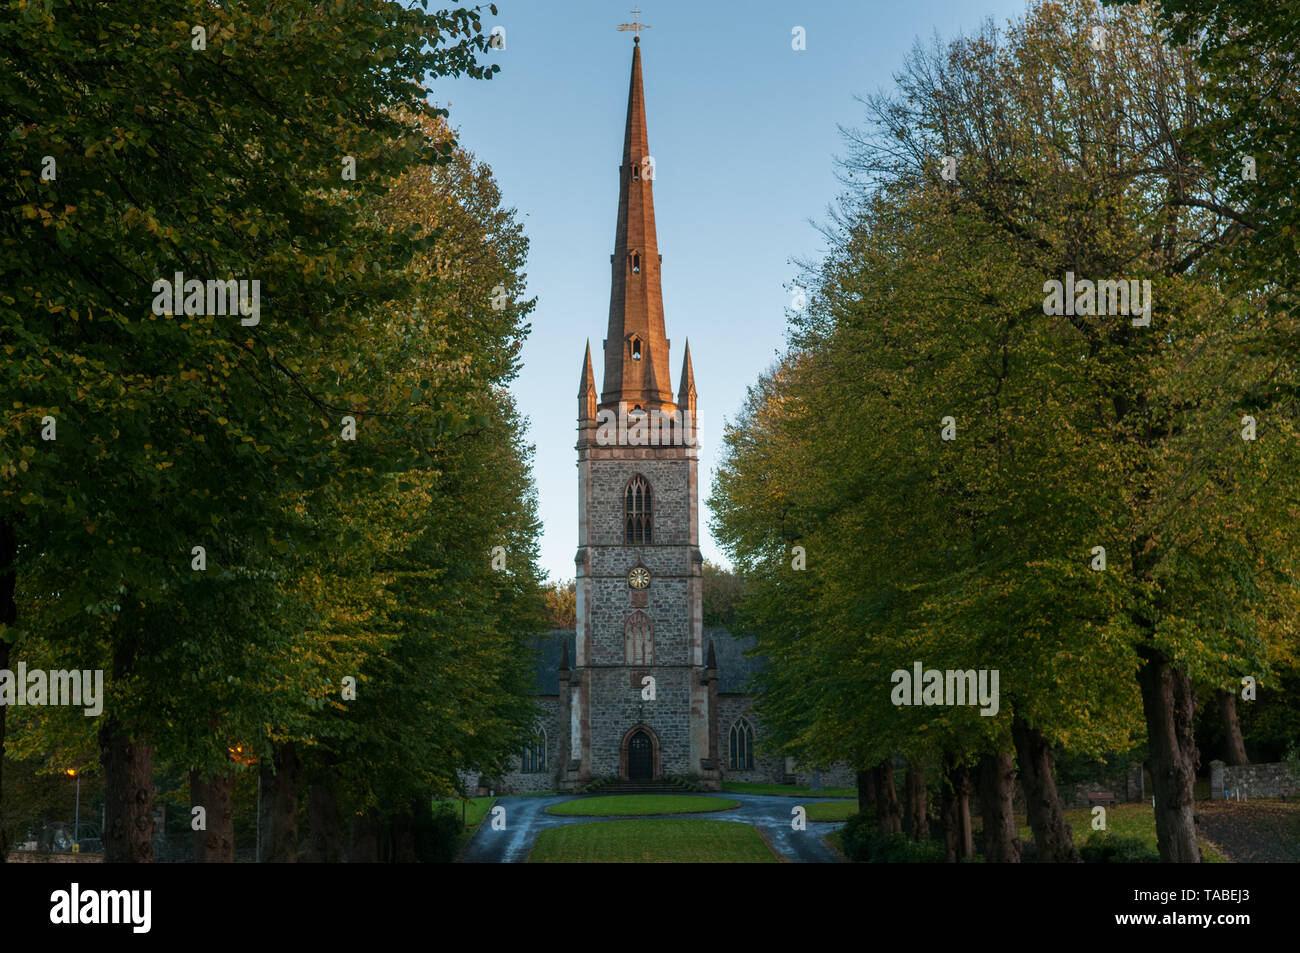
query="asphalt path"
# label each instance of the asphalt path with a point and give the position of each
(526, 817)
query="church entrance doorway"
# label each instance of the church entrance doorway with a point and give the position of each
(640, 757)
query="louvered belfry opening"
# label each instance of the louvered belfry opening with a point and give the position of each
(638, 510)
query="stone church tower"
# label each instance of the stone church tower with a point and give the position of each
(640, 702)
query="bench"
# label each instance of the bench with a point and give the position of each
(1101, 797)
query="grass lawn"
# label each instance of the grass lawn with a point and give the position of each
(1128, 820)
(669, 841)
(474, 810)
(625, 805)
(831, 810)
(786, 790)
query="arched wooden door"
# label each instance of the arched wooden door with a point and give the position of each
(640, 757)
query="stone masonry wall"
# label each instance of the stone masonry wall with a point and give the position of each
(766, 770)
(616, 706)
(518, 782)
(1251, 780)
(615, 702)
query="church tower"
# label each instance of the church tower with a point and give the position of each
(639, 700)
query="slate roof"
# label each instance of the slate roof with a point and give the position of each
(546, 678)
(735, 669)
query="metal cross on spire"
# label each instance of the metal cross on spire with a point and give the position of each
(636, 26)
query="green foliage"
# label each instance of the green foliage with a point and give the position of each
(326, 557)
(856, 836)
(437, 833)
(863, 844)
(1252, 109)
(1073, 431)
(722, 592)
(1103, 847)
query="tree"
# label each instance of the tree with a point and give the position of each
(722, 594)
(1071, 430)
(562, 604)
(212, 146)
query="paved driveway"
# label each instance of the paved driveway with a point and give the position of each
(526, 817)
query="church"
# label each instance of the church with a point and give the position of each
(641, 693)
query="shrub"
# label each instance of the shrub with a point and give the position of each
(436, 833)
(899, 849)
(1107, 848)
(863, 845)
(856, 834)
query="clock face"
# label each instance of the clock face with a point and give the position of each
(639, 578)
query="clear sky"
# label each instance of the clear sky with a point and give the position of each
(744, 134)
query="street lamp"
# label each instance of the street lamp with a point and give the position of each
(76, 822)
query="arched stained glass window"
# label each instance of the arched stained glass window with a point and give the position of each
(534, 757)
(741, 746)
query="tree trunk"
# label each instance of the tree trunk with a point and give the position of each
(866, 792)
(265, 809)
(1236, 753)
(1052, 835)
(401, 839)
(280, 845)
(324, 844)
(959, 837)
(915, 803)
(950, 818)
(1169, 702)
(4, 841)
(216, 844)
(964, 788)
(889, 815)
(363, 839)
(128, 796)
(8, 617)
(997, 786)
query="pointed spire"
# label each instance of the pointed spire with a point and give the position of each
(713, 659)
(587, 389)
(636, 347)
(686, 393)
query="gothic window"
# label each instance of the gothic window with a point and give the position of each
(534, 757)
(639, 640)
(636, 263)
(636, 349)
(636, 171)
(741, 746)
(637, 511)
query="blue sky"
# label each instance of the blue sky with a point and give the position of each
(744, 134)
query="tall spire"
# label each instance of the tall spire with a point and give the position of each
(636, 348)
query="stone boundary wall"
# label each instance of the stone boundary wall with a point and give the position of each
(1251, 780)
(37, 857)
(1127, 788)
